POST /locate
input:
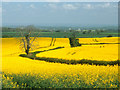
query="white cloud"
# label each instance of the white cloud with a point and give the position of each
(101, 5)
(32, 6)
(70, 7)
(88, 6)
(54, 6)
(63, 6)
(106, 5)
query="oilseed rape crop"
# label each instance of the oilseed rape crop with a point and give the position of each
(22, 72)
(90, 52)
(96, 51)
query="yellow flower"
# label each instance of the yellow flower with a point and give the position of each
(11, 82)
(17, 85)
(8, 78)
(22, 84)
(13, 63)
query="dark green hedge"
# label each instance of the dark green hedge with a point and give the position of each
(83, 61)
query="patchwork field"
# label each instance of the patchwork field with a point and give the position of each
(24, 72)
(89, 52)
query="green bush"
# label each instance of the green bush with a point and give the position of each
(74, 42)
(6, 36)
(109, 36)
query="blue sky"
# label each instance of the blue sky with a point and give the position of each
(60, 13)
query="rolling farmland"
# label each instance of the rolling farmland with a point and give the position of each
(21, 72)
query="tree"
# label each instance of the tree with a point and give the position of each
(84, 32)
(98, 31)
(89, 31)
(28, 36)
(74, 42)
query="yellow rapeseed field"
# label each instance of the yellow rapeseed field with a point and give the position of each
(12, 63)
(101, 52)
(99, 40)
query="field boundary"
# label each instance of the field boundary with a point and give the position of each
(97, 43)
(69, 62)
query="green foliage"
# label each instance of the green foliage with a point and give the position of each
(53, 81)
(6, 36)
(109, 36)
(74, 42)
(15, 32)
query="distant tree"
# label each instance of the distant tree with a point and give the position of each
(84, 32)
(65, 36)
(109, 36)
(74, 34)
(98, 31)
(89, 31)
(101, 30)
(57, 31)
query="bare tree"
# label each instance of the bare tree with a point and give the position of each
(27, 38)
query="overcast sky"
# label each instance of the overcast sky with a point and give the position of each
(60, 13)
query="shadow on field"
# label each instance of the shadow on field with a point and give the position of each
(47, 50)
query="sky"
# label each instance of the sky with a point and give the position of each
(59, 13)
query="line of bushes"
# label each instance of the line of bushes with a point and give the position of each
(83, 61)
(7, 36)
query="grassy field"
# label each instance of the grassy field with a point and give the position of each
(63, 34)
(22, 72)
